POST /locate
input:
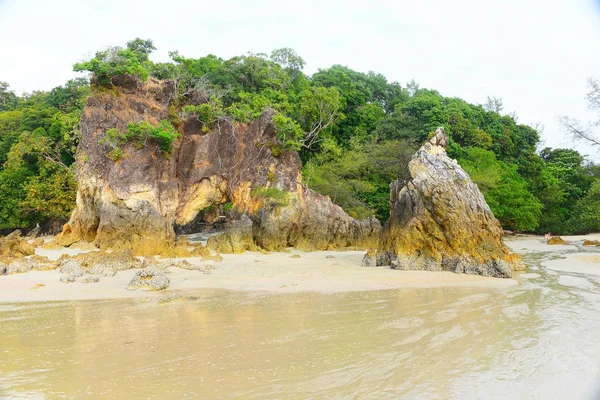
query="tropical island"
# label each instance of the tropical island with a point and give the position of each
(263, 158)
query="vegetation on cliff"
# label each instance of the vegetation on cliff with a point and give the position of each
(140, 133)
(355, 132)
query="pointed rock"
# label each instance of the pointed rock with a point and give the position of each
(439, 220)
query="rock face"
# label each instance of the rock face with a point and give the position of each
(439, 220)
(133, 203)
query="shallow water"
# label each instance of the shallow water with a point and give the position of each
(539, 340)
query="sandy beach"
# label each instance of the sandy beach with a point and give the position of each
(289, 272)
(277, 272)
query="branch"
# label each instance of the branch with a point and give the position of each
(577, 132)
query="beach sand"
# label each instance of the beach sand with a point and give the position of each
(276, 272)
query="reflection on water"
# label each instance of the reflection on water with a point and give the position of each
(537, 340)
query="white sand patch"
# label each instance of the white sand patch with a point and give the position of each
(575, 281)
(582, 263)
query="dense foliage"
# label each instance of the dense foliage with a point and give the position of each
(140, 133)
(355, 133)
(39, 133)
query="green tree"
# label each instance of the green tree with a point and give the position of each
(505, 191)
(8, 98)
(114, 61)
(586, 213)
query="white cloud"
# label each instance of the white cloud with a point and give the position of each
(534, 54)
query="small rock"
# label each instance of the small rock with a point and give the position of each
(18, 267)
(295, 256)
(67, 278)
(557, 240)
(216, 258)
(34, 232)
(91, 279)
(163, 265)
(41, 263)
(329, 256)
(103, 269)
(591, 242)
(149, 279)
(369, 260)
(72, 267)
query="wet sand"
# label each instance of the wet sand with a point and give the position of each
(534, 340)
(277, 272)
(572, 258)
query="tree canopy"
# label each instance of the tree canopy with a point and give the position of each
(355, 132)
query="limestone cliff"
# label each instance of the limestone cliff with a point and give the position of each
(439, 220)
(133, 203)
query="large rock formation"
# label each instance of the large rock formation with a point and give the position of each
(439, 220)
(133, 203)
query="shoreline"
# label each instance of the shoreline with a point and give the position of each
(276, 272)
(286, 272)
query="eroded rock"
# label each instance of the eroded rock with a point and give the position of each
(19, 267)
(67, 278)
(13, 245)
(439, 220)
(134, 202)
(236, 239)
(149, 279)
(183, 264)
(587, 242)
(369, 260)
(72, 268)
(108, 264)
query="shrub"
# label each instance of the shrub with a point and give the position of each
(271, 195)
(132, 60)
(289, 131)
(207, 113)
(164, 135)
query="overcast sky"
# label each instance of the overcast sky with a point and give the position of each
(534, 54)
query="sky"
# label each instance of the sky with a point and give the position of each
(536, 55)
